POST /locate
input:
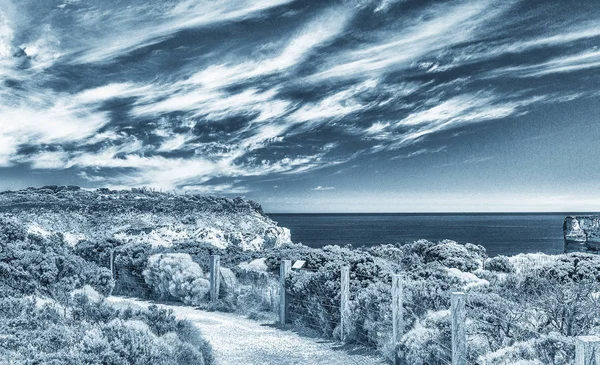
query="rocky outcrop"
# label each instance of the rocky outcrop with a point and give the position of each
(142, 216)
(582, 233)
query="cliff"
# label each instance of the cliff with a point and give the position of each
(582, 233)
(142, 215)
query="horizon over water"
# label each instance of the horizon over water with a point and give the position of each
(500, 233)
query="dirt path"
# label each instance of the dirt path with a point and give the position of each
(240, 341)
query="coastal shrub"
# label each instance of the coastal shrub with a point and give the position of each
(573, 267)
(454, 255)
(103, 335)
(176, 276)
(499, 264)
(201, 251)
(130, 262)
(35, 264)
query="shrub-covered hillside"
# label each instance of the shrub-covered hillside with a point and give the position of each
(141, 215)
(52, 311)
(526, 309)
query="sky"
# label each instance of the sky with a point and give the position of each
(308, 106)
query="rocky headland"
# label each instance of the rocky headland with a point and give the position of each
(582, 233)
(142, 215)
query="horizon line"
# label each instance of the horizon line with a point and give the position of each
(433, 213)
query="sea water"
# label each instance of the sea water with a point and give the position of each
(500, 234)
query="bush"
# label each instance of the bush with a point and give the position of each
(453, 255)
(500, 264)
(96, 333)
(176, 276)
(34, 264)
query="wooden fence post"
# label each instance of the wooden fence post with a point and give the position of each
(112, 263)
(459, 337)
(215, 263)
(284, 270)
(112, 269)
(587, 350)
(344, 298)
(397, 314)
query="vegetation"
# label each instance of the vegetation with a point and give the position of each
(74, 199)
(176, 276)
(51, 311)
(518, 310)
(525, 309)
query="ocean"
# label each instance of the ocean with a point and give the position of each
(500, 234)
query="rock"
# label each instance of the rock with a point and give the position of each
(582, 233)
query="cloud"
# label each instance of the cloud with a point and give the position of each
(563, 64)
(132, 32)
(447, 25)
(204, 93)
(578, 32)
(323, 188)
(208, 95)
(38, 122)
(422, 151)
(336, 106)
(6, 37)
(438, 116)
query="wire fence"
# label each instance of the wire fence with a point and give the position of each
(367, 314)
(373, 325)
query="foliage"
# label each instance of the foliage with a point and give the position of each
(38, 274)
(529, 316)
(176, 276)
(450, 254)
(499, 264)
(96, 333)
(34, 264)
(75, 199)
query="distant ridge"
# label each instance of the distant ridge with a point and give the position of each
(142, 216)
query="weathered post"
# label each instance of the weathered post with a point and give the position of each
(345, 282)
(112, 263)
(587, 350)
(397, 314)
(284, 270)
(215, 263)
(112, 269)
(459, 337)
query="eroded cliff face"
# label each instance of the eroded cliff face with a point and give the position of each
(582, 233)
(142, 216)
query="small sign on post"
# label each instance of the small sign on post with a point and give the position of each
(587, 350)
(344, 299)
(284, 270)
(397, 315)
(215, 263)
(298, 264)
(459, 335)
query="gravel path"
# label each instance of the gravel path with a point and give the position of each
(240, 341)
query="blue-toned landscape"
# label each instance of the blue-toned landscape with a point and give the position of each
(244, 182)
(501, 234)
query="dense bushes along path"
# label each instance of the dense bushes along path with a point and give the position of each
(237, 340)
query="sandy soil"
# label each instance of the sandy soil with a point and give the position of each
(240, 341)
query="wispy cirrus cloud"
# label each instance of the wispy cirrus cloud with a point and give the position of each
(323, 188)
(130, 32)
(187, 95)
(443, 27)
(563, 64)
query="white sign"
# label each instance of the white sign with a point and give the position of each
(298, 264)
